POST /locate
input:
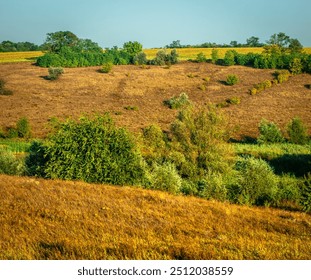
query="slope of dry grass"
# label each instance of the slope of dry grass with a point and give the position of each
(41, 219)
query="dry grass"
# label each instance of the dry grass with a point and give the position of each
(41, 219)
(85, 90)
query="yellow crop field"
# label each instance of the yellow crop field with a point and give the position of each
(191, 53)
(19, 56)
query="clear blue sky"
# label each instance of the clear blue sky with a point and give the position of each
(155, 23)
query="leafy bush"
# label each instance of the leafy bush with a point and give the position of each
(257, 183)
(55, 72)
(305, 199)
(282, 75)
(165, 177)
(23, 128)
(140, 59)
(269, 133)
(229, 58)
(93, 150)
(232, 80)
(297, 131)
(3, 90)
(177, 102)
(10, 164)
(201, 57)
(289, 189)
(212, 186)
(36, 159)
(295, 66)
(214, 56)
(107, 67)
(233, 100)
(163, 58)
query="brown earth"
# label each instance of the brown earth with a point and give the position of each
(85, 90)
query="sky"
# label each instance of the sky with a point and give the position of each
(155, 23)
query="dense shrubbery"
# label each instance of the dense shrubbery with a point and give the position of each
(177, 102)
(10, 164)
(269, 133)
(232, 80)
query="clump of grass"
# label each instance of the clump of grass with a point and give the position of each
(177, 102)
(54, 73)
(207, 79)
(106, 68)
(282, 75)
(262, 86)
(202, 87)
(234, 100)
(3, 90)
(232, 80)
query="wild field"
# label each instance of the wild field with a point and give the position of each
(6, 57)
(43, 219)
(134, 95)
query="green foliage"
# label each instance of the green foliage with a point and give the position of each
(3, 90)
(269, 133)
(297, 131)
(233, 100)
(36, 159)
(93, 150)
(23, 128)
(57, 40)
(257, 183)
(215, 56)
(289, 189)
(213, 186)
(295, 66)
(107, 67)
(305, 199)
(55, 72)
(164, 58)
(177, 102)
(165, 177)
(201, 57)
(232, 80)
(140, 59)
(10, 164)
(229, 58)
(132, 48)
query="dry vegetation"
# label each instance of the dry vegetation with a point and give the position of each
(85, 90)
(42, 219)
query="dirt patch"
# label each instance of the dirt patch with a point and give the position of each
(86, 91)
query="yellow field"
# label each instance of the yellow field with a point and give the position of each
(53, 219)
(184, 53)
(19, 56)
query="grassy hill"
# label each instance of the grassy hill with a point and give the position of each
(42, 219)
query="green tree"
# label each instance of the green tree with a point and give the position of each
(56, 40)
(132, 48)
(280, 39)
(297, 131)
(253, 42)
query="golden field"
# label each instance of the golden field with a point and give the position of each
(42, 219)
(184, 53)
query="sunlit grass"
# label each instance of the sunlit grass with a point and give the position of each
(19, 56)
(42, 219)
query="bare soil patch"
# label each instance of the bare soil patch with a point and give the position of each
(86, 91)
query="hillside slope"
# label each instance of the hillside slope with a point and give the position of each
(42, 219)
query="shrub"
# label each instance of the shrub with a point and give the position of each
(229, 58)
(55, 72)
(36, 159)
(10, 164)
(297, 131)
(202, 87)
(253, 91)
(269, 133)
(232, 80)
(165, 177)
(295, 66)
(289, 189)
(201, 57)
(233, 100)
(93, 150)
(107, 67)
(163, 58)
(282, 75)
(257, 183)
(23, 128)
(177, 102)
(3, 90)
(212, 186)
(214, 56)
(207, 79)
(305, 199)
(140, 59)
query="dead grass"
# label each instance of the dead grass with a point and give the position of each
(85, 90)
(41, 219)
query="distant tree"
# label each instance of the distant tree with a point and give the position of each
(280, 39)
(133, 48)
(56, 40)
(174, 44)
(234, 44)
(87, 45)
(253, 42)
(295, 46)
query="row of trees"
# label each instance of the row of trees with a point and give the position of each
(280, 39)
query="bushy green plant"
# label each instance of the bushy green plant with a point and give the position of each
(297, 131)
(201, 57)
(164, 58)
(269, 133)
(229, 58)
(55, 72)
(233, 100)
(23, 128)
(305, 198)
(282, 75)
(232, 80)
(107, 67)
(36, 159)
(165, 177)
(295, 66)
(289, 189)
(212, 186)
(177, 102)
(3, 90)
(140, 59)
(257, 183)
(214, 56)
(10, 164)
(93, 150)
